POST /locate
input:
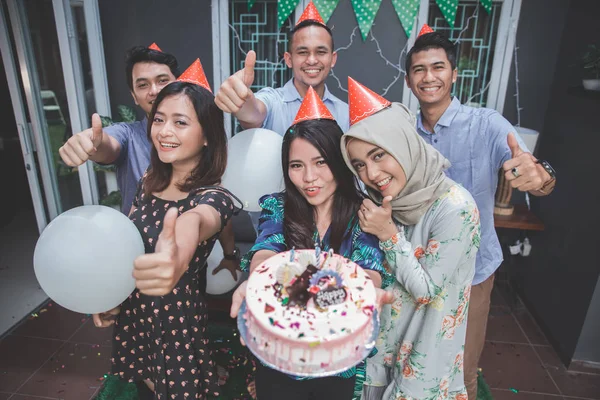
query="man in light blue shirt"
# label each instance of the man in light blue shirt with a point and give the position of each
(283, 105)
(478, 142)
(126, 145)
(311, 58)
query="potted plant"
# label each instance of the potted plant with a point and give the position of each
(591, 68)
(113, 199)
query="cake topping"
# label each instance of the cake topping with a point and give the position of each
(287, 272)
(298, 289)
(330, 297)
(326, 278)
(269, 308)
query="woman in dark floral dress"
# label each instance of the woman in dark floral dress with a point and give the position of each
(159, 334)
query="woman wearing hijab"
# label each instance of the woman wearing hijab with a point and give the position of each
(428, 229)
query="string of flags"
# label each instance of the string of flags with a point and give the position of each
(365, 11)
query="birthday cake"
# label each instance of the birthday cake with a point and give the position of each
(309, 313)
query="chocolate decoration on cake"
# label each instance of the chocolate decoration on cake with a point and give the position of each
(298, 290)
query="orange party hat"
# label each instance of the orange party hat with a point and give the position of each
(425, 30)
(154, 46)
(311, 12)
(363, 102)
(312, 107)
(195, 74)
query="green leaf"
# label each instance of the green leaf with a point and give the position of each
(106, 121)
(112, 199)
(126, 113)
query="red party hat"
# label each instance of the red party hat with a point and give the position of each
(363, 102)
(311, 12)
(425, 29)
(195, 74)
(154, 46)
(312, 107)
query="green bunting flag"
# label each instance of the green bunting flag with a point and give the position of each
(250, 4)
(284, 9)
(407, 12)
(487, 5)
(365, 11)
(448, 9)
(325, 8)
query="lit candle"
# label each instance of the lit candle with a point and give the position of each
(292, 254)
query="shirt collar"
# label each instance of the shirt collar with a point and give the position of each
(446, 118)
(290, 93)
(450, 113)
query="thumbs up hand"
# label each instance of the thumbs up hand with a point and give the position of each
(81, 146)
(156, 274)
(383, 297)
(235, 91)
(377, 220)
(522, 170)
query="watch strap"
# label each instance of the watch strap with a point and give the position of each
(233, 256)
(546, 165)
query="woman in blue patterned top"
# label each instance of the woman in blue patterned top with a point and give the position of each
(317, 182)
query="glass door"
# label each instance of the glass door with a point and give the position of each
(42, 42)
(22, 125)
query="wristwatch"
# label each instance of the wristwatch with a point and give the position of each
(235, 256)
(546, 165)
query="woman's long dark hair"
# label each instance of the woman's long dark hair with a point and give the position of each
(299, 215)
(213, 157)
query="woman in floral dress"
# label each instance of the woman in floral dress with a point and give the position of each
(159, 334)
(428, 228)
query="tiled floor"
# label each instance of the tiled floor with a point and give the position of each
(518, 363)
(20, 292)
(61, 355)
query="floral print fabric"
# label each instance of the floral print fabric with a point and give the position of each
(422, 336)
(162, 338)
(358, 246)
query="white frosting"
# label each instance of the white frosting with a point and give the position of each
(310, 340)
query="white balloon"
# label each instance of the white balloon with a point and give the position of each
(83, 260)
(222, 282)
(254, 166)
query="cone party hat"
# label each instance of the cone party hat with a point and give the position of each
(312, 107)
(195, 74)
(311, 12)
(363, 102)
(425, 30)
(154, 46)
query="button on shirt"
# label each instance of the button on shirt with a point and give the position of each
(474, 140)
(283, 105)
(133, 159)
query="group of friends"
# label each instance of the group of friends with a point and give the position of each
(423, 230)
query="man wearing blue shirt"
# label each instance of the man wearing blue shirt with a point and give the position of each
(478, 142)
(126, 145)
(311, 57)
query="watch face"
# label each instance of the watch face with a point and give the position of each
(235, 255)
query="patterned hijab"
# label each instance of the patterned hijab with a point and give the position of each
(393, 130)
